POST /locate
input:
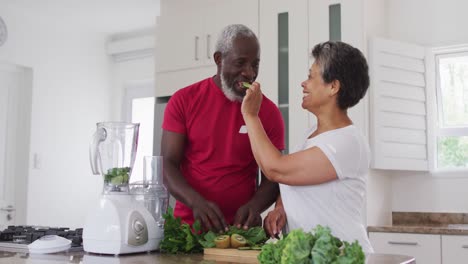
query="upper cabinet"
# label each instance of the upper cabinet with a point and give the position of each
(186, 35)
(326, 17)
(179, 32)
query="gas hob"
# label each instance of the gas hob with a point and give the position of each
(17, 238)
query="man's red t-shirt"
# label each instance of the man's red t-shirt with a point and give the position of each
(218, 161)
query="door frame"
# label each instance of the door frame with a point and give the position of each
(17, 140)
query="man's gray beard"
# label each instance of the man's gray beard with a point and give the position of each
(229, 91)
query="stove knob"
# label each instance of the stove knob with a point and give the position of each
(138, 227)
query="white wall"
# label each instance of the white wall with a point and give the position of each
(379, 185)
(71, 92)
(75, 85)
(123, 74)
(429, 23)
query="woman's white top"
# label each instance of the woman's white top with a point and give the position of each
(338, 203)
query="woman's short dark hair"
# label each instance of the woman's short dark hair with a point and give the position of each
(342, 62)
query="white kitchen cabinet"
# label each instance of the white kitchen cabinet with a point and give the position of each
(186, 34)
(454, 249)
(178, 35)
(424, 248)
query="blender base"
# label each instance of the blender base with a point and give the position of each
(120, 225)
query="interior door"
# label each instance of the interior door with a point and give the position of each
(15, 126)
(8, 81)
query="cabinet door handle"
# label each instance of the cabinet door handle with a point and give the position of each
(208, 47)
(464, 246)
(196, 47)
(403, 243)
(8, 209)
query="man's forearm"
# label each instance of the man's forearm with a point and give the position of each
(179, 188)
(266, 195)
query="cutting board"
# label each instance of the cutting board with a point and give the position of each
(231, 254)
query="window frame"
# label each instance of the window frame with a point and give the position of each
(134, 90)
(137, 89)
(438, 129)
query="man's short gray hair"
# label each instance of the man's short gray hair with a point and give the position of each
(226, 37)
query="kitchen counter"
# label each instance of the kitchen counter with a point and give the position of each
(422, 229)
(154, 257)
(425, 223)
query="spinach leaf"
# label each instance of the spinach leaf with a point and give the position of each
(117, 176)
(178, 237)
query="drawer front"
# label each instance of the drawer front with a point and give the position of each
(424, 248)
(454, 249)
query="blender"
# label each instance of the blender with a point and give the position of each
(119, 224)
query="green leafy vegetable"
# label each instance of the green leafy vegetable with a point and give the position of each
(180, 238)
(208, 240)
(318, 247)
(352, 253)
(326, 247)
(271, 252)
(297, 250)
(117, 176)
(254, 235)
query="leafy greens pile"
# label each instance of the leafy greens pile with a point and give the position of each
(319, 247)
(117, 176)
(181, 238)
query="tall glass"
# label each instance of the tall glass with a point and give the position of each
(151, 191)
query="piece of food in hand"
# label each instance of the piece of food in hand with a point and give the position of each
(222, 241)
(246, 85)
(237, 241)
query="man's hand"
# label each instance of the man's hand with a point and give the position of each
(247, 216)
(275, 221)
(209, 215)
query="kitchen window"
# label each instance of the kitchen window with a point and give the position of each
(138, 107)
(451, 128)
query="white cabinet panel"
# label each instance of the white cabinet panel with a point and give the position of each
(220, 13)
(454, 249)
(178, 35)
(186, 34)
(425, 248)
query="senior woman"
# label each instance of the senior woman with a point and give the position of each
(324, 181)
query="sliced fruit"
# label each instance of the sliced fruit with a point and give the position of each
(222, 241)
(238, 241)
(246, 85)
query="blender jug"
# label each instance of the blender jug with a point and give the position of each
(112, 154)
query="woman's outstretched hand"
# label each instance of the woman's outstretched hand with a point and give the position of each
(252, 100)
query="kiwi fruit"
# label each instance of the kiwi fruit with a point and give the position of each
(222, 241)
(238, 241)
(246, 85)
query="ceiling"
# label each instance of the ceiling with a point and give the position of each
(101, 16)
